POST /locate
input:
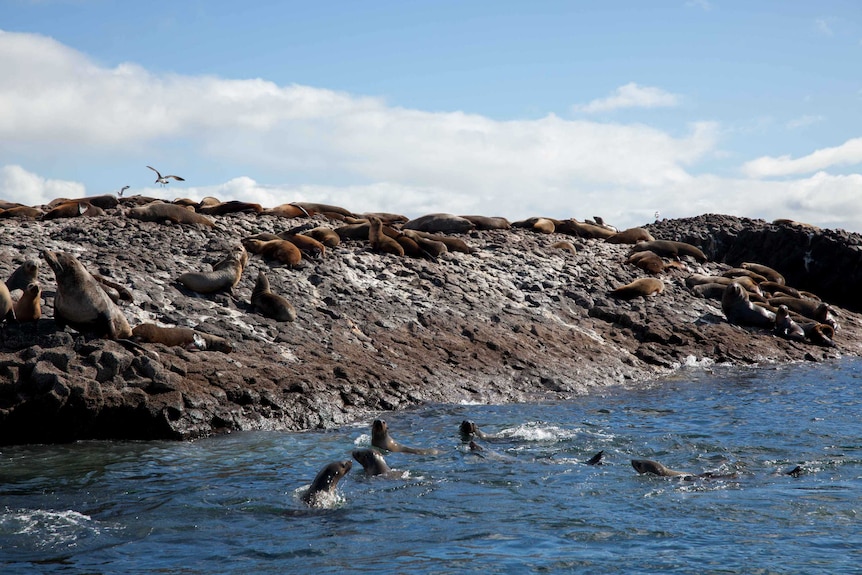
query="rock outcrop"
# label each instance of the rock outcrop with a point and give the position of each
(515, 320)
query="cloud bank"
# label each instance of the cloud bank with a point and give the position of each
(276, 144)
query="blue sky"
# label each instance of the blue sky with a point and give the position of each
(561, 109)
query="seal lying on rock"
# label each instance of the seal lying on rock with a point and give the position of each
(671, 249)
(160, 212)
(224, 276)
(641, 287)
(766, 271)
(180, 336)
(81, 302)
(381, 439)
(739, 310)
(326, 481)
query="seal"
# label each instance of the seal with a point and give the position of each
(641, 287)
(775, 288)
(766, 271)
(469, 429)
(73, 209)
(431, 248)
(380, 242)
(630, 236)
(22, 212)
(114, 290)
(277, 249)
(287, 211)
(29, 305)
(648, 261)
(381, 439)
(7, 306)
(573, 227)
(161, 212)
(371, 461)
(816, 310)
(739, 310)
(655, 468)
(185, 337)
(746, 282)
(596, 459)
(224, 275)
(488, 223)
(269, 304)
(785, 326)
(358, 231)
(230, 207)
(327, 210)
(452, 244)
(671, 249)
(326, 236)
(23, 275)
(564, 245)
(309, 246)
(81, 302)
(709, 290)
(440, 222)
(326, 481)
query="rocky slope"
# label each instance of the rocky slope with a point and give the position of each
(514, 321)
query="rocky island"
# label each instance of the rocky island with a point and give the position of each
(524, 312)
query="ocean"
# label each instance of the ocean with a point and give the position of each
(527, 503)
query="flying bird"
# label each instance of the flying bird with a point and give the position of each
(123, 189)
(163, 180)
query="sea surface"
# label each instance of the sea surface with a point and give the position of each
(528, 503)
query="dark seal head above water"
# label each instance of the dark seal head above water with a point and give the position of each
(371, 461)
(326, 481)
(381, 439)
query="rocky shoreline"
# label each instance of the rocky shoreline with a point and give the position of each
(516, 320)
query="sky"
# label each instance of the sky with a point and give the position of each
(622, 109)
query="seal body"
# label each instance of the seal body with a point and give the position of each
(381, 242)
(785, 326)
(327, 480)
(630, 236)
(269, 304)
(81, 302)
(279, 250)
(161, 211)
(225, 274)
(766, 271)
(440, 222)
(671, 249)
(381, 439)
(29, 305)
(371, 461)
(180, 337)
(815, 310)
(655, 468)
(488, 223)
(641, 287)
(739, 310)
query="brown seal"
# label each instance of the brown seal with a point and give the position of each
(734, 273)
(287, 211)
(746, 282)
(81, 302)
(160, 212)
(371, 461)
(309, 246)
(432, 248)
(565, 246)
(326, 236)
(7, 306)
(380, 242)
(381, 439)
(326, 481)
(816, 310)
(488, 223)
(776, 288)
(671, 249)
(648, 261)
(819, 333)
(180, 337)
(630, 236)
(358, 231)
(73, 209)
(709, 290)
(230, 207)
(655, 468)
(573, 227)
(387, 218)
(23, 275)
(641, 287)
(29, 305)
(22, 212)
(739, 310)
(224, 275)
(766, 271)
(440, 222)
(280, 250)
(269, 304)
(785, 326)
(327, 210)
(453, 244)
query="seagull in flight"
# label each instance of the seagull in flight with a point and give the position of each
(163, 180)
(123, 189)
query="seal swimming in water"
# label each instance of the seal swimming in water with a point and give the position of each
(739, 310)
(81, 302)
(381, 439)
(326, 481)
(655, 468)
(371, 461)
(225, 274)
(269, 304)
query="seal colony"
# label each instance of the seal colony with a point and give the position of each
(371, 329)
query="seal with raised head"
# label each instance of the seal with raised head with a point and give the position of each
(184, 337)
(816, 310)
(371, 461)
(23, 275)
(29, 305)
(380, 242)
(269, 304)
(469, 429)
(326, 481)
(224, 275)
(81, 302)
(641, 287)
(381, 439)
(785, 326)
(739, 310)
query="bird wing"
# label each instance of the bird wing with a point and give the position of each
(176, 178)
(155, 170)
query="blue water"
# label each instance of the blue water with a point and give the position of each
(232, 504)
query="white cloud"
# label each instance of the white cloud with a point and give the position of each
(631, 95)
(804, 121)
(23, 187)
(822, 25)
(848, 153)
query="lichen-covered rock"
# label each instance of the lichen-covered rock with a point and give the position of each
(516, 320)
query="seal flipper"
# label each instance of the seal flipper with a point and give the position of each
(597, 458)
